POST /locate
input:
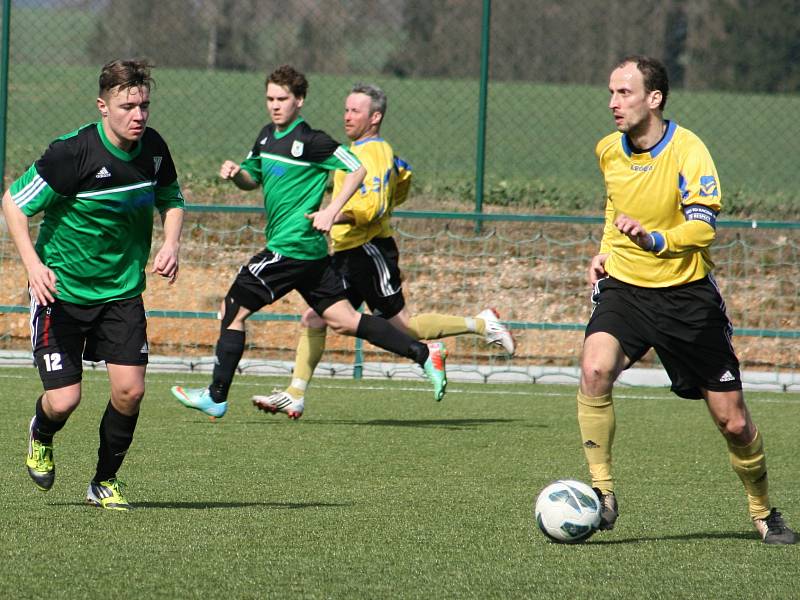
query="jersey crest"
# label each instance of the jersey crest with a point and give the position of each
(708, 186)
(297, 149)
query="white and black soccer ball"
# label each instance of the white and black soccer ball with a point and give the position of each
(567, 511)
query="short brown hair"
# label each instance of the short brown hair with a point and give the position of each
(653, 72)
(125, 74)
(290, 78)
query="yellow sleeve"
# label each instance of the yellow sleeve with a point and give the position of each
(701, 201)
(403, 181)
(687, 238)
(371, 201)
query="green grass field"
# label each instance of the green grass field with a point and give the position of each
(379, 492)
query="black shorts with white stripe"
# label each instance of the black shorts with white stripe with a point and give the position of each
(269, 276)
(372, 275)
(65, 334)
(686, 325)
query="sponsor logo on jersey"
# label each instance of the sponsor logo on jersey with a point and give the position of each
(297, 149)
(708, 186)
(728, 376)
(642, 168)
(157, 163)
(277, 170)
(103, 173)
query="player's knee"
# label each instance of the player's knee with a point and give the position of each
(342, 322)
(311, 319)
(230, 311)
(61, 405)
(596, 373)
(342, 327)
(129, 396)
(735, 428)
(342, 318)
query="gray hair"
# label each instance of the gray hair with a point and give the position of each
(376, 95)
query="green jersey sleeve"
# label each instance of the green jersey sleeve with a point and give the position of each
(328, 154)
(32, 194)
(252, 163)
(342, 159)
(167, 190)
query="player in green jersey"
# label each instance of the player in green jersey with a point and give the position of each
(367, 256)
(291, 162)
(97, 187)
(653, 288)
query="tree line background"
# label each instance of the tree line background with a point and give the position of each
(737, 45)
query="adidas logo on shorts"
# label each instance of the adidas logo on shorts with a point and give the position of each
(727, 377)
(103, 173)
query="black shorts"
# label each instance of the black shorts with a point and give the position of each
(372, 275)
(686, 325)
(268, 277)
(64, 334)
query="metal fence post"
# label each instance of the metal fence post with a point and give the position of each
(480, 159)
(5, 45)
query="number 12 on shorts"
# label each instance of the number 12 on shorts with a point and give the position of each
(52, 361)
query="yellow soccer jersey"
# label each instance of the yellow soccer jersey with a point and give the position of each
(385, 186)
(673, 191)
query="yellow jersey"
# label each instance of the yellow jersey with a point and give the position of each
(385, 186)
(673, 191)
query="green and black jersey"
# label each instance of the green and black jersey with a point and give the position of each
(292, 167)
(98, 211)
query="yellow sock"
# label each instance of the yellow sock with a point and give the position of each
(597, 423)
(310, 346)
(432, 326)
(750, 464)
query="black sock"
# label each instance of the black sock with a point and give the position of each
(230, 348)
(381, 333)
(44, 428)
(116, 435)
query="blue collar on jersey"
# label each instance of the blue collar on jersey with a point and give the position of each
(365, 140)
(658, 148)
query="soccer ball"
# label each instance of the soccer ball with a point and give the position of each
(567, 511)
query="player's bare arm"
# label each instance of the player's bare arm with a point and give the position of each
(231, 171)
(41, 279)
(597, 269)
(166, 261)
(325, 218)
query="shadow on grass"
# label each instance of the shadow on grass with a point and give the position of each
(732, 535)
(214, 505)
(424, 423)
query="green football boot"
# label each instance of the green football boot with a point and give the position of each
(435, 370)
(107, 494)
(40, 463)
